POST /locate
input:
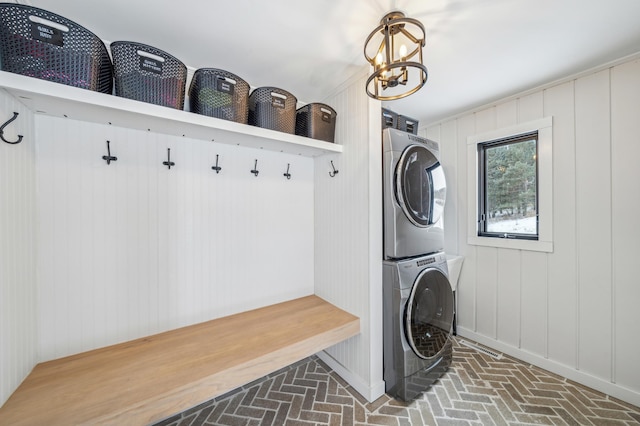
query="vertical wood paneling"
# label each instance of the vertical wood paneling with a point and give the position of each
(449, 160)
(625, 151)
(562, 287)
(533, 314)
(466, 293)
(348, 256)
(18, 331)
(593, 207)
(487, 257)
(507, 114)
(572, 310)
(133, 248)
(509, 299)
(508, 303)
(533, 318)
(486, 296)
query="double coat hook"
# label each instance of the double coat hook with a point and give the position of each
(255, 169)
(216, 167)
(109, 158)
(168, 163)
(6, 123)
(335, 172)
(287, 174)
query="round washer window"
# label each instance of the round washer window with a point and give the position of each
(420, 185)
(429, 313)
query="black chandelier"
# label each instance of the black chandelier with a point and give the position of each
(394, 50)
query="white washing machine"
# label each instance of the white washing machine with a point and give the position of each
(418, 324)
(414, 192)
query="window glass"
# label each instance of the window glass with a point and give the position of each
(508, 187)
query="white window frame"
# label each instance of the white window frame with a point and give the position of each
(544, 243)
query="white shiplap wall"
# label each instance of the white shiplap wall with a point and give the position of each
(348, 238)
(133, 248)
(573, 311)
(18, 333)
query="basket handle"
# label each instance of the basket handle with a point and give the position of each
(278, 95)
(326, 111)
(57, 26)
(227, 79)
(150, 55)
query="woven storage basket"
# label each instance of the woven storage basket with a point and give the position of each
(218, 93)
(148, 74)
(273, 108)
(316, 121)
(41, 44)
(389, 119)
(407, 124)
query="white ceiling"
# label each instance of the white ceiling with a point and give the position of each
(477, 51)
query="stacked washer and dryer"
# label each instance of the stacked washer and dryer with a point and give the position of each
(418, 298)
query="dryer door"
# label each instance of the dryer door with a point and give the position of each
(429, 313)
(420, 186)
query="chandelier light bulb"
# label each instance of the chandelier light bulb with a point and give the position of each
(403, 52)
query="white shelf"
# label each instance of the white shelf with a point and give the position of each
(45, 97)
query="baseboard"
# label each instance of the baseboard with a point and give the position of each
(369, 392)
(627, 395)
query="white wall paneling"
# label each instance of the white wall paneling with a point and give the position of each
(465, 294)
(508, 296)
(134, 248)
(562, 263)
(18, 332)
(449, 159)
(625, 151)
(348, 238)
(593, 208)
(572, 310)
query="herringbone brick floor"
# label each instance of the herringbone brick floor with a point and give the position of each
(477, 390)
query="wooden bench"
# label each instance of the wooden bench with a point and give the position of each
(148, 379)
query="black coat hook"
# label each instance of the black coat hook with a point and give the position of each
(287, 174)
(109, 158)
(255, 169)
(216, 167)
(168, 163)
(335, 172)
(6, 123)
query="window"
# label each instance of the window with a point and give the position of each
(510, 186)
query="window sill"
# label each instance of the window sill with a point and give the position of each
(510, 243)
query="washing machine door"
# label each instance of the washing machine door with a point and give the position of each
(429, 313)
(420, 185)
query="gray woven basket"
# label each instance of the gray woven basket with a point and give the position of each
(218, 93)
(316, 121)
(41, 44)
(273, 108)
(148, 74)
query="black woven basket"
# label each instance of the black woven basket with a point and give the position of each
(218, 93)
(273, 108)
(147, 74)
(389, 119)
(407, 124)
(41, 44)
(316, 121)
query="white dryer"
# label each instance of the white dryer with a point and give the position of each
(414, 192)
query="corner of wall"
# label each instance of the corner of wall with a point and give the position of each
(348, 236)
(18, 319)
